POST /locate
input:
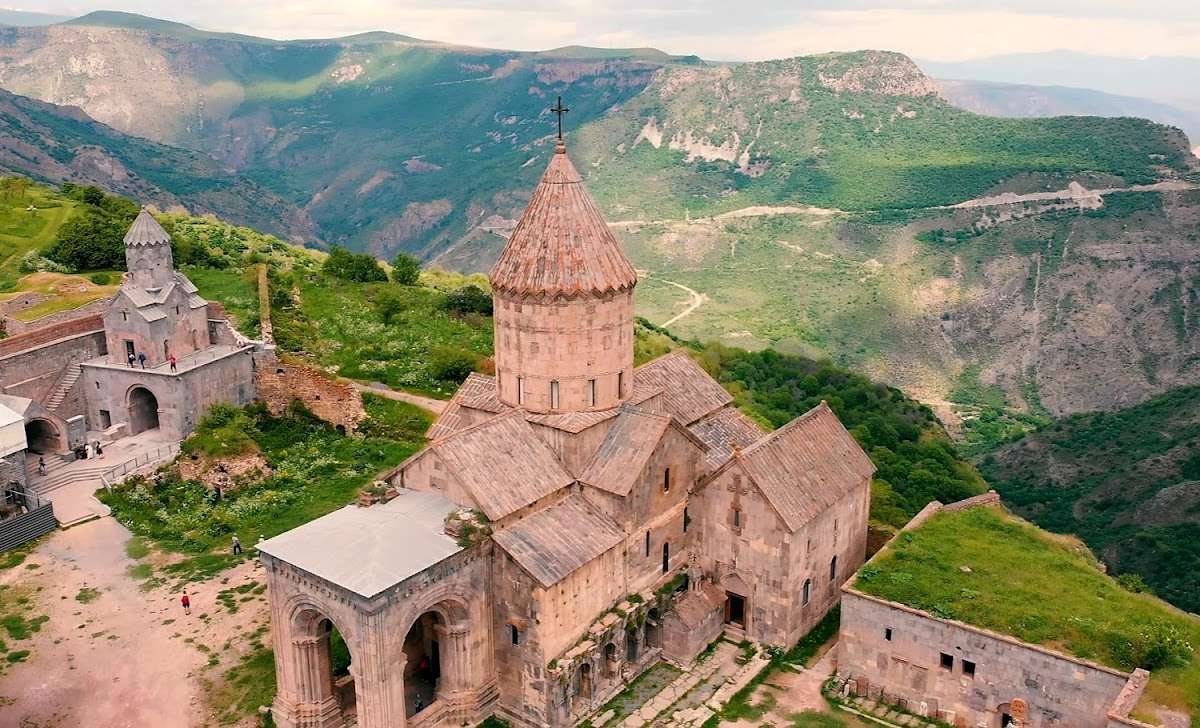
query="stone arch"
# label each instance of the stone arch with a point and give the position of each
(653, 628)
(43, 437)
(437, 660)
(611, 659)
(312, 629)
(143, 409)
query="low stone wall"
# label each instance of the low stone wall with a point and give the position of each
(48, 334)
(279, 383)
(16, 327)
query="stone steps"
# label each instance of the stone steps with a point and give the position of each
(70, 376)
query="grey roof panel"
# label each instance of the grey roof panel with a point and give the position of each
(145, 230)
(369, 550)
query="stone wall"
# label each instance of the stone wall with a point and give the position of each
(14, 326)
(40, 337)
(34, 369)
(891, 649)
(182, 398)
(279, 383)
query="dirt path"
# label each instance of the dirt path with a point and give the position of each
(429, 404)
(1074, 191)
(698, 300)
(127, 658)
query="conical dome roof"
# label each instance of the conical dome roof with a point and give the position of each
(145, 230)
(561, 245)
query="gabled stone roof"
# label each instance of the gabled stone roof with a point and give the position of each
(562, 246)
(689, 393)
(145, 230)
(478, 392)
(621, 457)
(724, 430)
(503, 464)
(149, 302)
(554, 542)
(805, 466)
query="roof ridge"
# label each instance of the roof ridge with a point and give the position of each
(508, 413)
(780, 431)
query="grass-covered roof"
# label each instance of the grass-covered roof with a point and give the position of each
(985, 567)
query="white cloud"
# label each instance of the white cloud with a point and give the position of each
(719, 29)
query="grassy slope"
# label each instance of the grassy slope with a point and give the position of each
(1034, 586)
(1124, 481)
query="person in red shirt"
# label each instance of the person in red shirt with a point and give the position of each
(172, 360)
(187, 603)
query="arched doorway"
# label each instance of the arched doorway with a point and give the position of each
(143, 410)
(423, 666)
(42, 437)
(610, 659)
(653, 629)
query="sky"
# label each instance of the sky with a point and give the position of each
(947, 30)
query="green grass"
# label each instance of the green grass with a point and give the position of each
(1111, 470)
(235, 289)
(316, 470)
(87, 595)
(22, 229)
(1039, 588)
(245, 686)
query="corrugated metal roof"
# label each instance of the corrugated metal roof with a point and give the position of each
(562, 246)
(689, 392)
(369, 550)
(621, 457)
(145, 230)
(724, 429)
(806, 466)
(552, 543)
(503, 464)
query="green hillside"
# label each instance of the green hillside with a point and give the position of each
(1127, 482)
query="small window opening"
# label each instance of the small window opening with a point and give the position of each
(947, 661)
(807, 591)
(514, 634)
(124, 315)
(520, 390)
(968, 668)
(833, 569)
(553, 395)
(737, 518)
(666, 480)
(621, 385)
(887, 634)
(591, 393)
(666, 565)
(687, 519)
(647, 543)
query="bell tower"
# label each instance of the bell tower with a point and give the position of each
(563, 293)
(148, 253)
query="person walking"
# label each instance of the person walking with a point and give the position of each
(237, 545)
(187, 603)
(132, 359)
(142, 358)
(99, 450)
(172, 360)
(41, 465)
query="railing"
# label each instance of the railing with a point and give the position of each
(16, 500)
(158, 455)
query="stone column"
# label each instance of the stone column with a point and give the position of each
(379, 689)
(305, 697)
(458, 673)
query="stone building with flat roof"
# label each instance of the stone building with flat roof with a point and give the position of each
(573, 519)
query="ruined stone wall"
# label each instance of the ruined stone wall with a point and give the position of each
(43, 336)
(279, 383)
(1058, 690)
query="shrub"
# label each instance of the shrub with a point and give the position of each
(388, 302)
(451, 364)
(469, 299)
(224, 430)
(100, 279)
(1133, 583)
(348, 266)
(406, 270)
(31, 262)
(1155, 645)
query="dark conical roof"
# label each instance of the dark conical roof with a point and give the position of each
(145, 230)
(562, 246)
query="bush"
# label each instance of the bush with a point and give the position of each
(31, 262)
(100, 279)
(224, 430)
(1133, 583)
(469, 299)
(1156, 645)
(93, 239)
(451, 364)
(348, 266)
(388, 302)
(406, 270)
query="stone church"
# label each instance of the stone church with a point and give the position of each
(573, 519)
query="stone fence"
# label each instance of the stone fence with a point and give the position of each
(48, 334)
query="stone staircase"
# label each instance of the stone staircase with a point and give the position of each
(63, 387)
(59, 475)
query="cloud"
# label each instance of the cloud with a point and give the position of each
(719, 29)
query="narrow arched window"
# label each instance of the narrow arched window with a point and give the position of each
(666, 480)
(807, 590)
(554, 395)
(647, 543)
(833, 569)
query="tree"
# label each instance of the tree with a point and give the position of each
(388, 302)
(406, 270)
(451, 364)
(91, 240)
(348, 266)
